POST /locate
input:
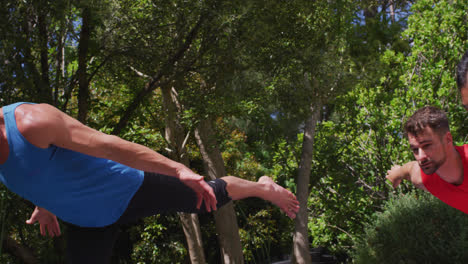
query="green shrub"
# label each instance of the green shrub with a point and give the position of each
(414, 228)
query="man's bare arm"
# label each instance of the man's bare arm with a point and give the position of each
(409, 171)
(44, 125)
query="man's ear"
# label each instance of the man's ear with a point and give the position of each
(448, 138)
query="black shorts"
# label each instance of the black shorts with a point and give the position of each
(158, 194)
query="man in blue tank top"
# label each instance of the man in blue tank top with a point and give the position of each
(95, 182)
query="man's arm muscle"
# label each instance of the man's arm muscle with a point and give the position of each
(44, 125)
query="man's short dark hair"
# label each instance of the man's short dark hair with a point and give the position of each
(462, 70)
(428, 116)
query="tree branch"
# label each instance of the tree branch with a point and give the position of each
(139, 73)
(155, 81)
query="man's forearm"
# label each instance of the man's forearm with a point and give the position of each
(142, 158)
(407, 169)
(414, 174)
(398, 173)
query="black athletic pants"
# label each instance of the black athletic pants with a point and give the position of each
(157, 195)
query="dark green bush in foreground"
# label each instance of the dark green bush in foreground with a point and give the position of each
(414, 228)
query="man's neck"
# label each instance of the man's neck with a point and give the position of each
(452, 170)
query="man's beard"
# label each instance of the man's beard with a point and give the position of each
(430, 166)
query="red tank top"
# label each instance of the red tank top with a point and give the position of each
(453, 195)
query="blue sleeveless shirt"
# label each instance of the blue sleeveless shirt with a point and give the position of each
(79, 189)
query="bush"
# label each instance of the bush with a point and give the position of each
(414, 228)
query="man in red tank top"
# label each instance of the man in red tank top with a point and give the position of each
(440, 166)
(431, 171)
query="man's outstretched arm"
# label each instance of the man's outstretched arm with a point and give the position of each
(44, 125)
(409, 171)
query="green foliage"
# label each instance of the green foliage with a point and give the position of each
(14, 212)
(414, 228)
(264, 231)
(255, 67)
(158, 240)
(347, 186)
(363, 136)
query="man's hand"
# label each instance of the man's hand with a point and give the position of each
(396, 174)
(409, 171)
(47, 221)
(203, 191)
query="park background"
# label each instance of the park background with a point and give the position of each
(312, 93)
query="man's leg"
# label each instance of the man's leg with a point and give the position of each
(90, 245)
(266, 189)
(161, 194)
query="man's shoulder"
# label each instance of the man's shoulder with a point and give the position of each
(35, 123)
(31, 115)
(463, 150)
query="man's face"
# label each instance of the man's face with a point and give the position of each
(429, 149)
(464, 96)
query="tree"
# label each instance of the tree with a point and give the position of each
(313, 37)
(226, 220)
(177, 140)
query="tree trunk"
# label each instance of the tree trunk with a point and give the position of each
(301, 252)
(83, 92)
(193, 235)
(392, 10)
(29, 61)
(176, 140)
(225, 217)
(44, 90)
(60, 61)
